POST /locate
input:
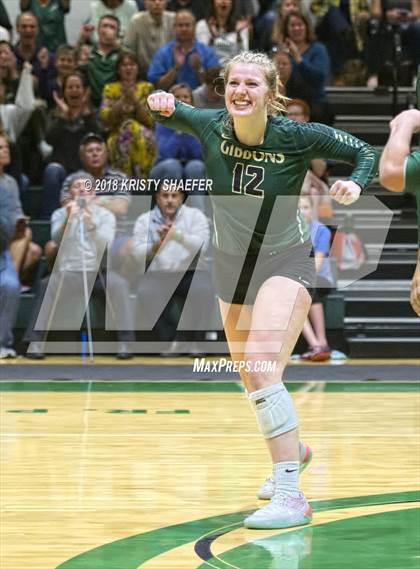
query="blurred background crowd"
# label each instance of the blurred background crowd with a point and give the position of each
(74, 79)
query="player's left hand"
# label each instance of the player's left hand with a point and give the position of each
(345, 192)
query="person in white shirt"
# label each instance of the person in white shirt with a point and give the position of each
(167, 240)
(224, 29)
(83, 230)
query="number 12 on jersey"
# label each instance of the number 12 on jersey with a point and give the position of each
(247, 180)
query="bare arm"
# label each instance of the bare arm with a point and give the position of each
(168, 79)
(391, 166)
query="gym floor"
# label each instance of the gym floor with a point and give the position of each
(160, 474)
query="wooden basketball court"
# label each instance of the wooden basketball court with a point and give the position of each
(120, 475)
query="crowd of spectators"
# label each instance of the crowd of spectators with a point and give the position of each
(68, 112)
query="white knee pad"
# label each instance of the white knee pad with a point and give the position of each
(275, 411)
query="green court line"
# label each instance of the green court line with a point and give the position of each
(198, 386)
(385, 540)
(27, 411)
(131, 552)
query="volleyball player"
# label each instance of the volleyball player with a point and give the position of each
(253, 155)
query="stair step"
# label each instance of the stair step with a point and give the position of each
(379, 307)
(385, 321)
(373, 347)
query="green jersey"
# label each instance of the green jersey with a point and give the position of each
(412, 181)
(247, 180)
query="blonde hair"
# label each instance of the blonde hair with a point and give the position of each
(277, 105)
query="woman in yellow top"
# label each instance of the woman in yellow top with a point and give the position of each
(131, 138)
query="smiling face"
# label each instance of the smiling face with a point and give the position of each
(5, 55)
(27, 27)
(246, 91)
(74, 91)
(296, 29)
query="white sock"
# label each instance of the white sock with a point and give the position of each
(286, 476)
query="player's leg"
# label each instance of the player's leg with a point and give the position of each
(236, 339)
(231, 315)
(317, 317)
(277, 321)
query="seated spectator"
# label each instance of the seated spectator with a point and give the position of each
(109, 193)
(274, 38)
(14, 117)
(206, 96)
(315, 182)
(293, 86)
(9, 281)
(82, 229)
(148, 31)
(27, 48)
(263, 22)
(25, 254)
(311, 65)
(168, 239)
(124, 10)
(50, 15)
(314, 330)
(43, 69)
(194, 6)
(402, 17)
(9, 76)
(224, 30)
(184, 59)
(281, 59)
(342, 28)
(71, 121)
(14, 169)
(65, 63)
(131, 139)
(101, 66)
(179, 153)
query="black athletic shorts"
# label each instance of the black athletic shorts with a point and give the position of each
(296, 263)
(322, 289)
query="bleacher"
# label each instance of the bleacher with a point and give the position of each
(376, 308)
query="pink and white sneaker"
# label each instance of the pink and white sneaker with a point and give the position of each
(266, 492)
(283, 511)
